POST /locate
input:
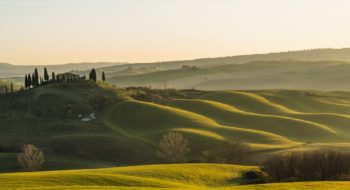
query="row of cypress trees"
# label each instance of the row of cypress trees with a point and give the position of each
(34, 80)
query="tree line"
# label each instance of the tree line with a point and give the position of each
(34, 80)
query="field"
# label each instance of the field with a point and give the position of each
(102, 153)
(177, 176)
(130, 122)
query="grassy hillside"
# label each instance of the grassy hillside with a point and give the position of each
(307, 55)
(179, 176)
(285, 74)
(130, 122)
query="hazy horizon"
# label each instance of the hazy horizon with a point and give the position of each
(37, 32)
(197, 58)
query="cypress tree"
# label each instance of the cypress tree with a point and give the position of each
(6, 88)
(36, 77)
(57, 78)
(103, 76)
(53, 76)
(27, 84)
(33, 80)
(29, 80)
(25, 81)
(93, 75)
(11, 87)
(46, 75)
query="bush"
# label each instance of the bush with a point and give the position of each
(307, 166)
(31, 158)
(256, 177)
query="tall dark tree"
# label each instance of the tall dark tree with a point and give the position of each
(33, 80)
(26, 81)
(53, 76)
(46, 75)
(103, 76)
(36, 77)
(29, 80)
(92, 75)
(57, 78)
(6, 89)
(11, 87)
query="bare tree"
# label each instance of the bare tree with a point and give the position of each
(172, 147)
(32, 158)
(233, 152)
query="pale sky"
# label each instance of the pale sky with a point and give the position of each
(66, 31)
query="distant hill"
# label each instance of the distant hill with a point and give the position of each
(126, 124)
(287, 74)
(319, 69)
(13, 71)
(305, 55)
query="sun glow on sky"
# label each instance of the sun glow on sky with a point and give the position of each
(65, 31)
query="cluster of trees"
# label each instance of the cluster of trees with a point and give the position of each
(315, 165)
(34, 80)
(173, 148)
(229, 151)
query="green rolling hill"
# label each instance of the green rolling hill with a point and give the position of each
(128, 123)
(175, 176)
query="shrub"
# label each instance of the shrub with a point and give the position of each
(31, 158)
(307, 166)
(256, 177)
(172, 147)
